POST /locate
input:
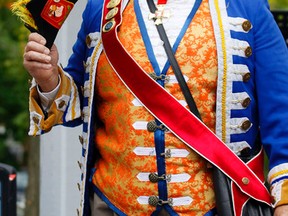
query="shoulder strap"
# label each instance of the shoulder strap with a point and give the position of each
(174, 64)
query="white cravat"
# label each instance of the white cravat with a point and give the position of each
(179, 11)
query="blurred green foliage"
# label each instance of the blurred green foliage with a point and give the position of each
(13, 83)
(278, 4)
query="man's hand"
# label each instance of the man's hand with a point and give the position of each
(41, 63)
(281, 210)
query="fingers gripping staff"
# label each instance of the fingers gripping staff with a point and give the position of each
(190, 130)
(44, 17)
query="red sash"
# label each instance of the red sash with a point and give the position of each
(166, 109)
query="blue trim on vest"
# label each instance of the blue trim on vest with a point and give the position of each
(159, 139)
(159, 135)
(170, 210)
(212, 212)
(146, 39)
(183, 31)
(106, 200)
(155, 213)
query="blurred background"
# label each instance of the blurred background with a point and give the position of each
(16, 148)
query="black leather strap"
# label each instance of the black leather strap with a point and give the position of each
(174, 64)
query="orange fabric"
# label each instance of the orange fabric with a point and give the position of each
(117, 170)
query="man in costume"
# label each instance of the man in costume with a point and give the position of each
(140, 156)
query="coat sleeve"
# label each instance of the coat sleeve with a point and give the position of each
(271, 69)
(66, 108)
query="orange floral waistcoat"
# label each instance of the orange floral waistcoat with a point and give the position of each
(129, 158)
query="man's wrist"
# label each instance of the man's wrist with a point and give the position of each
(48, 85)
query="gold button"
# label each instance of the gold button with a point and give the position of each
(246, 77)
(111, 13)
(35, 120)
(113, 3)
(245, 181)
(246, 102)
(109, 25)
(248, 51)
(245, 125)
(61, 104)
(88, 40)
(153, 200)
(246, 25)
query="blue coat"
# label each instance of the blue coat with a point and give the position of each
(253, 69)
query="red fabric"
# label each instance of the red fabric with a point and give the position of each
(161, 2)
(239, 198)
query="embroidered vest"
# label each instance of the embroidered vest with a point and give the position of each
(138, 165)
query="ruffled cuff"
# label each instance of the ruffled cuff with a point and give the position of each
(65, 107)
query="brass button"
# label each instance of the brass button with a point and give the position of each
(113, 3)
(246, 102)
(245, 125)
(245, 181)
(61, 104)
(248, 51)
(246, 25)
(153, 200)
(35, 120)
(111, 13)
(88, 40)
(109, 25)
(152, 126)
(246, 77)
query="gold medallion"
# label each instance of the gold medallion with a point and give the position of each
(109, 25)
(111, 13)
(113, 3)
